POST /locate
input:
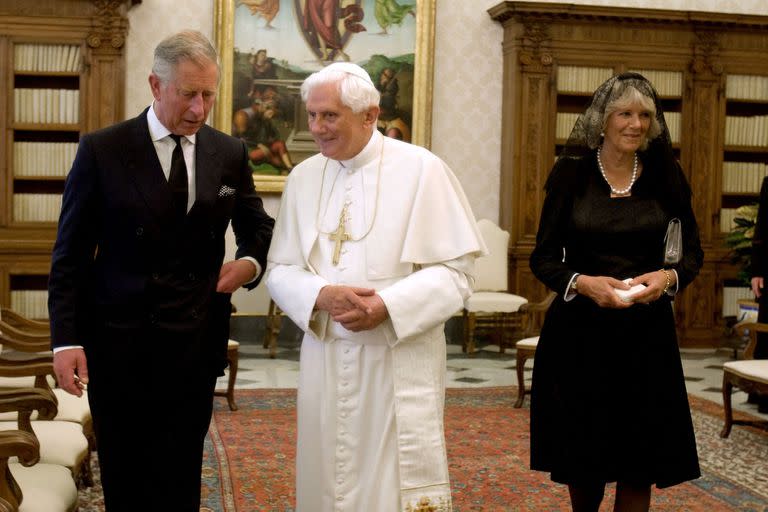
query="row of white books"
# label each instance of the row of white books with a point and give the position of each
(36, 207)
(731, 296)
(46, 57)
(46, 106)
(746, 87)
(666, 83)
(726, 219)
(30, 303)
(587, 79)
(743, 176)
(746, 130)
(581, 79)
(673, 125)
(43, 158)
(564, 122)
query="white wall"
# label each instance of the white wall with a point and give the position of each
(466, 130)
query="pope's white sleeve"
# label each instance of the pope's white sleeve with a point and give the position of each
(427, 298)
(295, 289)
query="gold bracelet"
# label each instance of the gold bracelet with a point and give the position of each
(669, 281)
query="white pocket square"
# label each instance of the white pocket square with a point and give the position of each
(226, 191)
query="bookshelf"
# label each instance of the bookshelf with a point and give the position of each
(745, 149)
(711, 73)
(63, 66)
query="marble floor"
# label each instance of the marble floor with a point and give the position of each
(487, 368)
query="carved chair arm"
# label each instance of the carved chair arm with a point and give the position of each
(26, 400)
(24, 334)
(533, 314)
(752, 329)
(17, 443)
(24, 446)
(24, 343)
(15, 319)
(39, 367)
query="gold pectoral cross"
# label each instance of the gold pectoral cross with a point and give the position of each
(339, 236)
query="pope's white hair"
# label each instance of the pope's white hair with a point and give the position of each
(355, 91)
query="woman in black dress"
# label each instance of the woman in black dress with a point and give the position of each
(609, 402)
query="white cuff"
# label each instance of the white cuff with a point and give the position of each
(569, 294)
(256, 263)
(66, 347)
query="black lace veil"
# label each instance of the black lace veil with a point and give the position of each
(587, 131)
(658, 157)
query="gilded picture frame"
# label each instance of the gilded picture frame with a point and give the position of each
(267, 47)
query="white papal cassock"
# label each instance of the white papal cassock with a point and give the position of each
(370, 404)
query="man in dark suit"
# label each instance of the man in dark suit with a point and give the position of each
(139, 299)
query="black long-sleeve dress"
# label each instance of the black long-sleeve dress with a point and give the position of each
(760, 269)
(609, 401)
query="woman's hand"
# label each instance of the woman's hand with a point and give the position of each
(602, 290)
(655, 283)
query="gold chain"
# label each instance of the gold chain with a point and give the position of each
(375, 205)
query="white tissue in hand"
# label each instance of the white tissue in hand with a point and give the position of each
(626, 295)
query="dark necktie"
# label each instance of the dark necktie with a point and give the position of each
(178, 178)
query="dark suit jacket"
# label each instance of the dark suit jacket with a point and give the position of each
(123, 270)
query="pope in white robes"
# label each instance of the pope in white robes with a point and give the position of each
(373, 250)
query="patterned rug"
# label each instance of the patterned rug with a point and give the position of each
(249, 458)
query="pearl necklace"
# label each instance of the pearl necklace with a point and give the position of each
(623, 191)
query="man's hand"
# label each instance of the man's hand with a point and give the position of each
(362, 320)
(71, 369)
(235, 274)
(757, 286)
(338, 300)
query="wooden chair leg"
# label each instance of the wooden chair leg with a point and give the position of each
(272, 331)
(267, 330)
(521, 358)
(232, 362)
(465, 332)
(727, 391)
(503, 332)
(470, 333)
(233, 359)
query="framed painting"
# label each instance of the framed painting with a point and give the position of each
(268, 47)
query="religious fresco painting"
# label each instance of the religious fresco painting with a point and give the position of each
(275, 44)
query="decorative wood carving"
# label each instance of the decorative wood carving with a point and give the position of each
(706, 62)
(109, 24)
(533, 57)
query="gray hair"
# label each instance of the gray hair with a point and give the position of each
(632, 96)
(355, 92)
(185, 45)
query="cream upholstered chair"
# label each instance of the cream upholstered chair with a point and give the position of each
(526, 348)
(62, 443)
(27, 341)
(25, 363)
(748, 374)
(491, 306)
(26, 483)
